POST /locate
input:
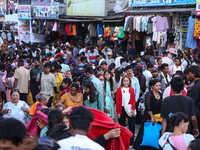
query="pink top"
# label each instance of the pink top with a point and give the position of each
(178, 142)
(173, 69)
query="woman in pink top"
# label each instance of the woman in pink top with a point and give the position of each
(177, 66)
(178, 139)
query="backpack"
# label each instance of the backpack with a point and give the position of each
(77, 71)
(34, 77)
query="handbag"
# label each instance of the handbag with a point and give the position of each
(30, 99)
(27, 118)
(128, 109)
(158, 117)
(151, 134)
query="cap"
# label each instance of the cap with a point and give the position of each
(100, 35)
(124, 64)
(16, 48)
(71, 58)
(154, 69)
(138, 67)
(116, 39)
(109, 53)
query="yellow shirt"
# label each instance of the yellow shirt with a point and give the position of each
(69, 100)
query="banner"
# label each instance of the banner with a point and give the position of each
(46, 10)
(24, 31)
(24, 12)
(86, 8)
(150, 3)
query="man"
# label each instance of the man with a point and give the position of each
(167, 60)
(79, 125)
(70, 61)
(141, 78)
(75, 50)
(154, 72)
(194, 92)
(103, 66)
(106, 50)
(110, 59)
(81, 49)
(139, 59)
(131, 50)
(22, 80)
(97, 59)
(5, 45)
(55, 62)
(89, 71)
(47, 82)
(83, 61)
(33, 75)
(17, 132)
(178, 103)
(164, 74)
(134, 82)
(92, 53)
(147, 74)
(151, 58)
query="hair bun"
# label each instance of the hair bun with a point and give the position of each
(172, 118)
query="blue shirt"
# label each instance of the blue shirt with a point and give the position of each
(81, 64)
(136, 87)
(72, 62)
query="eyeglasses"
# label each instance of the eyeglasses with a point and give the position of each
(15, 90)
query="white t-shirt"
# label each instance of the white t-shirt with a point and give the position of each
(148, 76)
(79, 142)
(125, 96)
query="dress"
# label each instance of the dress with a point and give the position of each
(59, 79)
(190, 42)
(109, 101)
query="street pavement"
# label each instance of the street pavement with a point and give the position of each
(137, 127)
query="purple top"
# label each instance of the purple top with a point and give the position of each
(161, 24)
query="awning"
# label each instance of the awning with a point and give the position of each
(160, 10)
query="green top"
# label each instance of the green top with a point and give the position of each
(43, 132)
(33, 73)
(99, 104)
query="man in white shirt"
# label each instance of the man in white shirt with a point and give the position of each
(167, 60)
(147, 74)
(80, 119)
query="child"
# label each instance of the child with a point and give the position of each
(42, 100)
(66, 86)
(77, 80)
(69, 74)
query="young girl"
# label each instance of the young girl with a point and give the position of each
(42, 100)
(178, 139)
(91, 97)
(8, 81)
(177, 66)
(125, 95)
(108, 90)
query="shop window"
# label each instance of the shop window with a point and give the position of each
(24, 2)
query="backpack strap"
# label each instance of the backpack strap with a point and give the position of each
(174, 148)
(40, 78)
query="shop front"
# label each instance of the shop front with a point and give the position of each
(156, 29)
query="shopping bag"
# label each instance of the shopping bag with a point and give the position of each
(30, 99)
(151, 134)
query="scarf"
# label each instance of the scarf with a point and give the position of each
(78, 99)
(33, 108)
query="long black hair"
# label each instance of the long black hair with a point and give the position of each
(8, 70)
(111, 80)
(177, 117)
(92, 94)
(118, 73)
(55, 117)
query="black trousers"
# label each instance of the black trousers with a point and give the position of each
(23, 97)
(131, 123)
(34, 92)
(49, 104)
(138, 116)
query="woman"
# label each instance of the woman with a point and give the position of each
(108, 93)
(91, 97)
(15, 108)
(100, 77)
(72, 98)
(125, 95)
(178, 138)
(177, 66)
(55, 117)
(8, 88)
(42, 100)
(159, 62)
(153, 103)
(59, 79)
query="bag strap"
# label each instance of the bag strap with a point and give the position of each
(40, 77)
(98, 100)
(171, 144)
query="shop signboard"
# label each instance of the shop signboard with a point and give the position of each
(24, 12)
(46, 10)
(150, 3)
(86, 8)
(198, 8)
(24, 31)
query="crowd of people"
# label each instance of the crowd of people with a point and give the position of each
(51, 92)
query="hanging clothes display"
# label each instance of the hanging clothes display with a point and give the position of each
(92, 29)
(100, 30)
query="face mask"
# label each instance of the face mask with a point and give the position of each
(26, 49)
(43, 64)
(93, 67)
(102, 82)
